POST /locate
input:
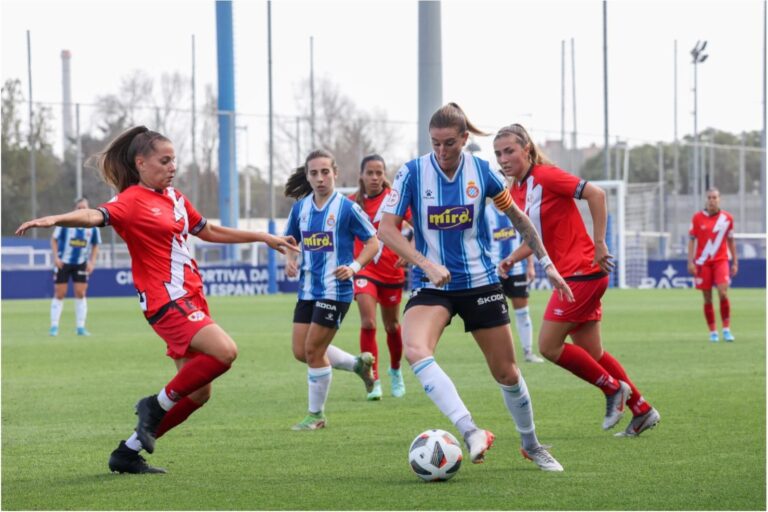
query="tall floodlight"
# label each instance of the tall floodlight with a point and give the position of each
(607, 150)
(32, 141)
(675, 187)
(312, 92)
(271, 257)
(698, 57)
(430, 69)
(229, 206)
(763, 157)
(66, 102)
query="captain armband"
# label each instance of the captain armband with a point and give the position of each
(503, 200)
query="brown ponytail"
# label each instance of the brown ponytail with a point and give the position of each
(117, 163)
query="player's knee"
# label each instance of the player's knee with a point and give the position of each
(550, 352)
(392, 327)
(368, 322)
(227, 354)
(415, 353)
(507, 375)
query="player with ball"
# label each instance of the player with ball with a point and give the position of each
(454, 274)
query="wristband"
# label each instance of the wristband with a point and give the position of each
(355, 266)
(545, 262)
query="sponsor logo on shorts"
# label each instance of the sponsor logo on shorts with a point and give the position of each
(361, 283)
(482, 301)
(450, 218)
(325, 305)
(329, 316)
(195, 316)
(392, 298)
(520, 283)
(558, 312)
(317, 241)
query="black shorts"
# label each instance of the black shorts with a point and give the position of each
(480, 308)
(515, 286)
(78, 273)
(325, 312)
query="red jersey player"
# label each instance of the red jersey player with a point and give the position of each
(155, 220)
(380, 281)
(712, 239)
(547, 193)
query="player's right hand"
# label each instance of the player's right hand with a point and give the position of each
(436, 273)
(692, 268)
(504, 267)
(42, 222)
(291, 268)
(559, 284)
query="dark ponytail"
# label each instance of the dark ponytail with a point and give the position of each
(117, 163)
(297, 185)
(451, 115)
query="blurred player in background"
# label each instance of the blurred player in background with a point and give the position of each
(74, 255)
(326, 224)
(381, 281)
(711, 240)
(504, 240)
(453, 274)
(155, 220)
(546, 193)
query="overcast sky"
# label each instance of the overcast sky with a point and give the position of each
(501, 59)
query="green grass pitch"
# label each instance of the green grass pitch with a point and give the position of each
(67, 401)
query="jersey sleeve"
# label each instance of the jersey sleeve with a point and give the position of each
(95, 236)
(399, 198)
(56, 232)
(561, 183)
(292, 226)
(494, 180)
(359, 223)
(116, 212)
(196, 221)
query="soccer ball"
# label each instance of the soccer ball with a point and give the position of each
(435, 455)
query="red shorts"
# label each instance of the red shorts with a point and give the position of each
(715, 273)
(586, 306)
(386, 295)
(177, 323)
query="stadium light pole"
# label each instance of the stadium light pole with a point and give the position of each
(698, 57)
(607, 153)
(271, 256)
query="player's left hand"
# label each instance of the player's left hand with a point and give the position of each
(603, 257)
(282, 243)
(559, 284)
(734, 268)
(89, 268)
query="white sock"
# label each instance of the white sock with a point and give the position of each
(319, 380)
(340, 359)
(440, 389)
(57, 306)
(524, 328)
(518, 403)
(165, 401)
(133, 443)
(81, 310)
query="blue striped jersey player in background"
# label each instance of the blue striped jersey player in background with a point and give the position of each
(504, 240)
(453, 274)
(74, 256)
(326, 224)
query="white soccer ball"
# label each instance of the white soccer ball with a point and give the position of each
(435, 455)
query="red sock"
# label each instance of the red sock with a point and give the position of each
(395, 344)
(368, 344)
(709, 314)
(636, 402)
(578, 361)
(725, 312)
(196, 373)
(177, 414)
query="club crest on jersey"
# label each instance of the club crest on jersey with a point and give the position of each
(156, 211)
(331, 220)
(393, 197)
(450, 218)
(501, 234)
(196, 316)
(472, 190)
(317, 241)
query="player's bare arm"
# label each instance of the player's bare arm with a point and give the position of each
(222, 234)
(598, 208)
(370, 248)
(390, 234)
(81, 218)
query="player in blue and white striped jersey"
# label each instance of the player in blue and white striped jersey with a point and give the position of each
(504, 240)
(74, 253)
(446, 192)
(326, 224)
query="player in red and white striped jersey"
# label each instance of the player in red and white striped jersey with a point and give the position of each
(712, 239)
(546, 194)
(381, 281)
(155, 220)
